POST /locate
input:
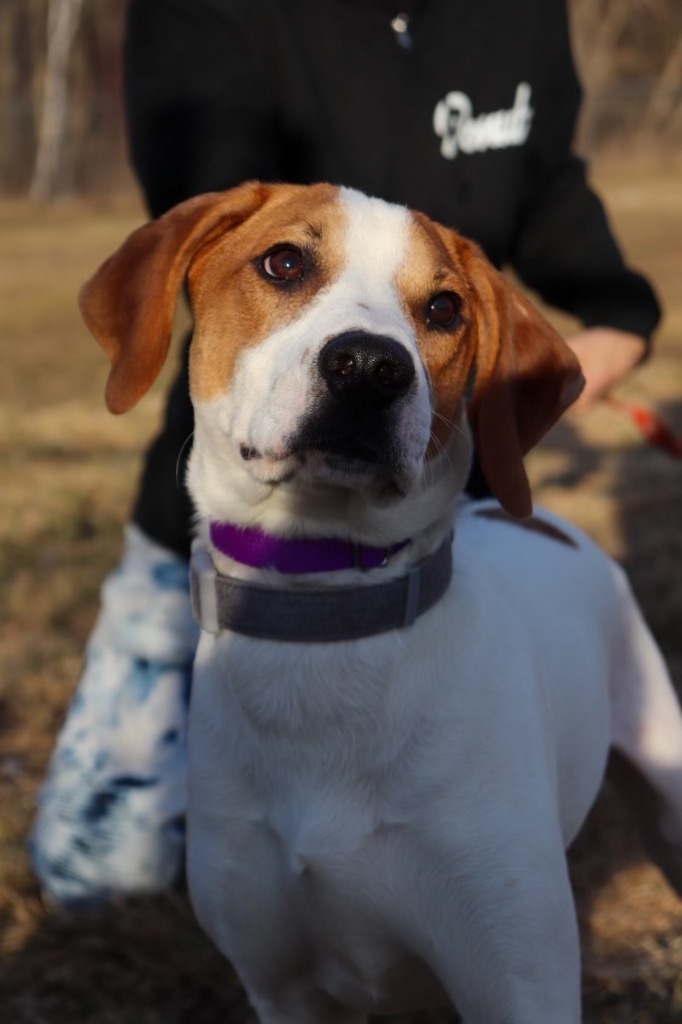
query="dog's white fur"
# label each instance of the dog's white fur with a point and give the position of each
(380, 824)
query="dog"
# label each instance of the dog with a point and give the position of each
(394, 734)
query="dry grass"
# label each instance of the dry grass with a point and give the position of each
(69, 471)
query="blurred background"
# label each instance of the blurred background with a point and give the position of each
(67, 199)
(60, 115)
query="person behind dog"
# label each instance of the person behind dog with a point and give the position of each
(465, 111)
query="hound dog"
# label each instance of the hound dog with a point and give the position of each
(393, 737)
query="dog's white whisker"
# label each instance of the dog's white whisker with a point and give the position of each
(444, 419)
(452, 424)
(178, 461)
(442, 451)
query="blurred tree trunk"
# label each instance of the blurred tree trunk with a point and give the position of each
(629, 53)
(665, 98)
(62, 23)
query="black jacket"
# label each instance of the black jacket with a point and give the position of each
(467, 113)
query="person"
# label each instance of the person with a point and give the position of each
(465, 111)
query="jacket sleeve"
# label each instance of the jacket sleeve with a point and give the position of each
(198, 113)
(564, 247)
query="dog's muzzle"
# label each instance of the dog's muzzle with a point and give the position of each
(363, 381)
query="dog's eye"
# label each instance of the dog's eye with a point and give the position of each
(284, 264)
(443, 310)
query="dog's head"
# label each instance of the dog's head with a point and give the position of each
(338, 341)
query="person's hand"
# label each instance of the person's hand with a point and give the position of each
(606, 356)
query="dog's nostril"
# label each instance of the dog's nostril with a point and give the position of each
(366, 369)
(248, 453)
(342, 363)
(391, 375)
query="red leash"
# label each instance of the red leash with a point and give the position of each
(650, 426)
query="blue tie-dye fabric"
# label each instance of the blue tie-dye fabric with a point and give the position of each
(111, 812)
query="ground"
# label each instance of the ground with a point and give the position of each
(69, 469)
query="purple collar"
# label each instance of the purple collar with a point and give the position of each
(296, 554)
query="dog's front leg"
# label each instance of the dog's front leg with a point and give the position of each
(510, 954)
(646, 734)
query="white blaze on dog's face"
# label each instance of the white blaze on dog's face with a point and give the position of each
(332, 356)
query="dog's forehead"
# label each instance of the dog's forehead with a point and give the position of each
(350, 230)
(376, 235)
(297, 213)
(381, 240)
(377, 241)
(387, 241)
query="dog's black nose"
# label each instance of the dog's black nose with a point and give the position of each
(364, 369)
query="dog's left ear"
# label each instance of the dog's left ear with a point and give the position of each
(525, 378)
(129, 303)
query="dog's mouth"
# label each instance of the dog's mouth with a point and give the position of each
(349, 451)
(351, 467)
(341, 460)
(345, 452)
(376, 451)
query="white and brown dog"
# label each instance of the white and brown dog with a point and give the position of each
(390, 748)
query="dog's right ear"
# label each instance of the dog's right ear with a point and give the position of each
(129, 303)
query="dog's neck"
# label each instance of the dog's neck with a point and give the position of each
(319, 587)
(323, 576)
(318, 614)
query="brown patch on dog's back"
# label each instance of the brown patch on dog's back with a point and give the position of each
(532, 523)
(233, 304)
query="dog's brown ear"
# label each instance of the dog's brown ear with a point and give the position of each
(129, 303)
(525, 377)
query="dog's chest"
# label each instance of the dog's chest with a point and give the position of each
(301, 796)
(329, 868)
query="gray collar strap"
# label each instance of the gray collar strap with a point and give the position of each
(320, 614)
